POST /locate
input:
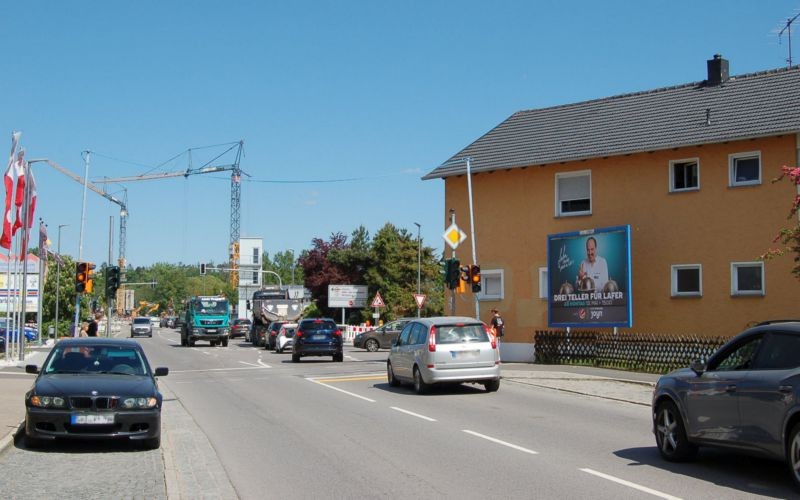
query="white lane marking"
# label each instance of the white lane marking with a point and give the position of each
(351, 357)
(248, 364)
(631, 485)
(341, 390)
(261, 363)
(504, 443)
(423, 417)
(217, 369)
(204, 352)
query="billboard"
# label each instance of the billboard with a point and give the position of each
(347, 296)
(589, 278)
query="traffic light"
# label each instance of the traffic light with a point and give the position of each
(475, 277)
(202, 268)
(451, 272)
(81, 276)
(89, 277)
(112, 281)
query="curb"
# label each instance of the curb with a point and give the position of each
(570, 391)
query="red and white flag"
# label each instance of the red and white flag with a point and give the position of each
(31, 208)
(8, 180)
(19, 197)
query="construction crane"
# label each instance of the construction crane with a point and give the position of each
(236, 193)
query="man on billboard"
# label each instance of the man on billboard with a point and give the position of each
(593, 272)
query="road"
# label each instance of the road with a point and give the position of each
(249, 423)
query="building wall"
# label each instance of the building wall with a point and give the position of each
(714, 226)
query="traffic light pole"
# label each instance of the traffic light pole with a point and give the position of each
(472, 230)
(110, 256)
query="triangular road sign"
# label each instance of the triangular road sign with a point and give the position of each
(420, 299)
(378, 301)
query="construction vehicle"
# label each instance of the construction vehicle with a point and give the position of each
(206, 318)
(273, 303)
(145, 308)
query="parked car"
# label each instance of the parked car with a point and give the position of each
(240, 327)
(317, 337)
(272, 333)
(381, 337)
(31, 334)
(94, 388)
(745, 398)
(447, 349)
(141, 326)
(285, 337)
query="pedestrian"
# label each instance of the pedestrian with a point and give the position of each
(497, 324)
(84, 330)
(93, 326)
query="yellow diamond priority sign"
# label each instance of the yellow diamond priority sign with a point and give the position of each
(454, 236)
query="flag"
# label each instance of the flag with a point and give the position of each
(26, 234)
(44, 248)
(19, 198)
(8, 180)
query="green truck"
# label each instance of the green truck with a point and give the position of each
(206, 318)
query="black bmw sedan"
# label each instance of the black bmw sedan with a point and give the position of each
(94, 388)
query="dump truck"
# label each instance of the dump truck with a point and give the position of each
(206, 318)
(273, 303)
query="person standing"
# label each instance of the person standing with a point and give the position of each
(93, 326)
(594, 267)
(497, 324)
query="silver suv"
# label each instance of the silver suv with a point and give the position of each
(448, 349)
(141, 326)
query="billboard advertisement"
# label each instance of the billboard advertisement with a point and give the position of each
(589, 278)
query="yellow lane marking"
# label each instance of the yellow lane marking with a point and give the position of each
(349, 379)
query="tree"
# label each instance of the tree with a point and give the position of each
(789, 237)
(319, 271)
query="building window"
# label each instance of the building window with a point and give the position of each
(543, 290)
(745, 168)
(687, 280)
(255, 256)
(747, 278)
(574, 193)
(255, 277)
(684, 175)
(491, 284)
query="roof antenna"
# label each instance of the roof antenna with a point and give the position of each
(788, 29)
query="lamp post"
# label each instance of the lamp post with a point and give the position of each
(293, 264)
(419, 266)
(58, 279)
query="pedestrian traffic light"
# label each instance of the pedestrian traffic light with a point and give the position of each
(112, 281)
(451, 272)
(475, 277)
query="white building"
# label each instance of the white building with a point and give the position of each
(251, 251)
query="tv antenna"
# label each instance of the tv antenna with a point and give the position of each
(788, 29)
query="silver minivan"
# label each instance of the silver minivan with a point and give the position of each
(447, 349)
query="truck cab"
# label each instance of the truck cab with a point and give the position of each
(206, 318)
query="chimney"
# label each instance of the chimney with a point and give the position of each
(717, 71)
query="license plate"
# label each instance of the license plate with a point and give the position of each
(464, 354)
(92, 419)
(319, 337)
(212, 330)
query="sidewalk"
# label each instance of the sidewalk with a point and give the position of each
(14, 383)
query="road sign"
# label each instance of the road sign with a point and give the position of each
(454, 236)
(347, 296)
(420, 299)
(378, 301)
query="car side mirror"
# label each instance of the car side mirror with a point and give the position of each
(699, 366)
(31, 369)
(162, 371)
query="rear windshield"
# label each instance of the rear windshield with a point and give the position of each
(316, 325)
(141, 321)
(456, 334)
(289, 332)
(242, 322)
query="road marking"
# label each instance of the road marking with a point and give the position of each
(263, 364)
(348, 379)
(204, 352)
(423, 417)
(351, 357)
(249, 364)
(630, 484)
(340, 390)
(217, 369)
(495, 440)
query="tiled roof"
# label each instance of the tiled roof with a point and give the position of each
(746, 106)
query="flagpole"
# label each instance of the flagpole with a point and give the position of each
(8, 304)
(25, 236)
(42, 264)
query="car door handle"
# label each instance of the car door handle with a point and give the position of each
(785, 388)
(730, 388)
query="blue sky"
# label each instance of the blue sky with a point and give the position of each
(378, 91)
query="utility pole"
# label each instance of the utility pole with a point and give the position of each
(86, 159)
(110, 256)
(419, 266)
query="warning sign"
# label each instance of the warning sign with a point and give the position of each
(419, 299)
(378, 301)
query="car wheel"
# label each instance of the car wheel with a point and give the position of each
(671, 438)
(372, 345)
(390, 375)
(338, 357)
(183, 342)
(419, 385)
(492, 385)
(224, 342)
(151, 444)
(295, 358)
(793, 449)
(190, 342)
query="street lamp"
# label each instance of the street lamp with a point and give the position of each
(293, 264)
(419, 266)
(58, 279)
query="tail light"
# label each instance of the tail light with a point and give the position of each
(337, 333)
(432, 340)
(491, 336)
(298, 333)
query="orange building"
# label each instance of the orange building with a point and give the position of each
(689, 168)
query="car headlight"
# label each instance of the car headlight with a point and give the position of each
(135, 403)
(48, 401)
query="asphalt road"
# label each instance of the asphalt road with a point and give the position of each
(318, 428)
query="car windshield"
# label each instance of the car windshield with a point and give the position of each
(455, 334)
(312, 326)
(141, 321)
(211, 306)
(120, 360)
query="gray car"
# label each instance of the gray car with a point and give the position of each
(141, 326)
(745, 398)
(447, 349)
(380, 338)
